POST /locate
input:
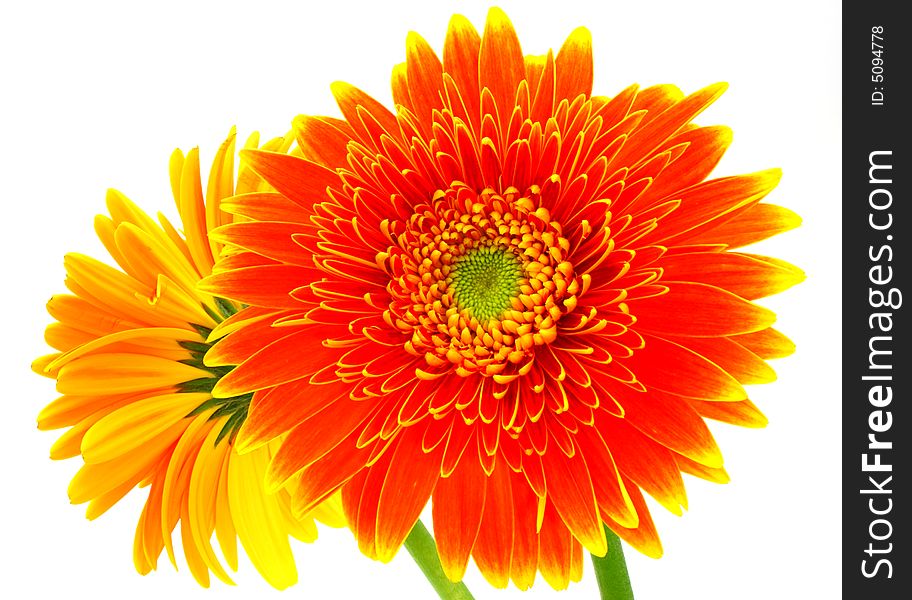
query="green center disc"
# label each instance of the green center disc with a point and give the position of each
(484, 280)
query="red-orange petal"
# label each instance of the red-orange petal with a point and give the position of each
(300, 180)
(425, 78)
(746, 275)
(266, 206)
(699, 310)
(276, 410)
(738, 361)
(323, 140)
(753, 224)
(524, 559)
(494, 544)
(650, 465)
(671, 421)
(768, 343)
(705, 206)
(570, 489)
(501, 64)
(457, 509)
(407, 487)
(460, 61)
(654, 132)
(706, 145)
(324, 477)
(266, 286)
(573, 65)
(350, 100)
(270, 239)
(670, 367)
(293, 357)
(644, 536)
(743, 414)
(316, 437)
(555, 548)
(234, 349)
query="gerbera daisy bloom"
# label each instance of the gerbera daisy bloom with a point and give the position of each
(510, 296)
(136, 395)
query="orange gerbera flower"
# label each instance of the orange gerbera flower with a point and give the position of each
(510, 296)
(136, 395)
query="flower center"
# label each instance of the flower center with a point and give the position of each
(485, 279)
(478, 280)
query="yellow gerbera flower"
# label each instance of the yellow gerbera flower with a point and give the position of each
(136, 395)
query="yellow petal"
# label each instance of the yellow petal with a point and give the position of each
(136, 424)
(257, 519)
(119, 373)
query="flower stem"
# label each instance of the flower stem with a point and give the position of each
(421, 546)
(611, 571)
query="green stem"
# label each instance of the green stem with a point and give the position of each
(611, 571)
(421, 546)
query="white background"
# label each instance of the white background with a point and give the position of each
(96, 95)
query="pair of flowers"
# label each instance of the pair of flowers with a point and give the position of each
(509, 296)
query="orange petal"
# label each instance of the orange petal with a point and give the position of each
(672, 422)
(750, 225)
(93, 480)
(574, 65)
(324, 477)
(644, 536)
(709, 312)
(193, 212)
(707, 205)
(66, 411)
(268, 285)
(669, 367)
(743, 414)
(570, 490)
(641, 144)
(272, 240)
(746, 275)
(648, 464)
(290, 358)
(220, 186)
(301, 181)
(460, 61)
(406, 490)
(457, 508)
(280, 409)
(501, 64)
(425, 78)
(706, 145)
(121, 373)
(323, 140)
(494, 545)
(555, 548)
(85, 316)
(768, 343)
